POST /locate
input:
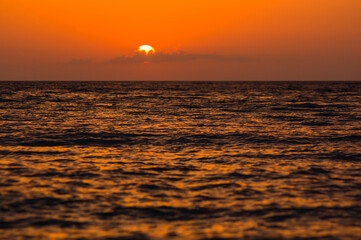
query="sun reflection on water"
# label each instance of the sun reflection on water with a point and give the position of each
(179, 161)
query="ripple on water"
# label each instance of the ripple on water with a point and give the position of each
(151, 160)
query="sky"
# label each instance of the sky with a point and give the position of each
(194, 40)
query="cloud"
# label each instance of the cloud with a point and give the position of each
(176, 57)
(75, 61)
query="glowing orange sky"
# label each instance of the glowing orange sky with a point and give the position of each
(288, 40)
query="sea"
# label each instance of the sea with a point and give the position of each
(180, 160)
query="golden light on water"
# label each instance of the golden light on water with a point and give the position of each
(146, 49)
(179, 160)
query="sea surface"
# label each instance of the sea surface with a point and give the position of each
(180, 160)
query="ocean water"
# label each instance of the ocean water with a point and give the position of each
(180, 160)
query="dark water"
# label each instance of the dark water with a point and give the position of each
(111, 160)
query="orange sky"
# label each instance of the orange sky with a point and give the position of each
(279, 39)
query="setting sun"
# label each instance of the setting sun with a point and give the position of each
(146, 49)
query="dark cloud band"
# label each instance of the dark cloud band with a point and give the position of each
(175, 57)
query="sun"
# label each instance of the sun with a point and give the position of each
(146, 49)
